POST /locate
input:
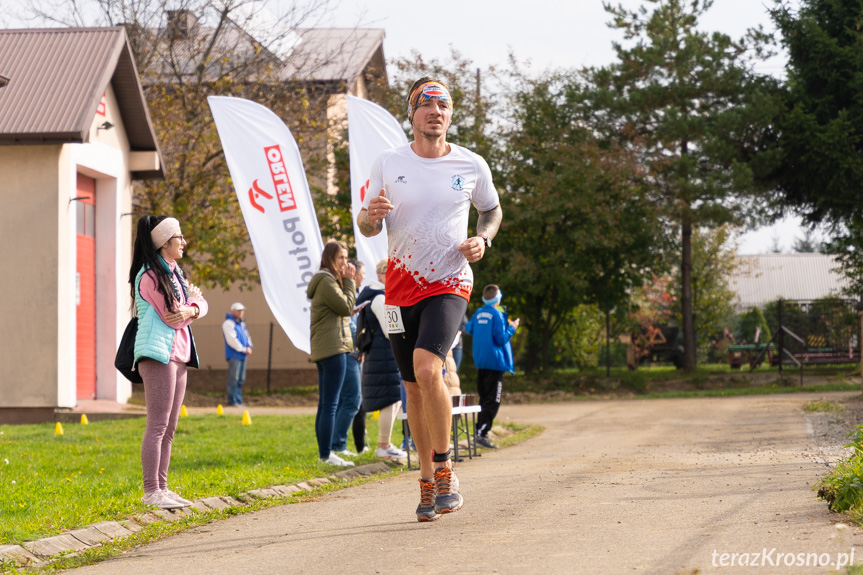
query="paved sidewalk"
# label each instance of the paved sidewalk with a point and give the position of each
(658, 486)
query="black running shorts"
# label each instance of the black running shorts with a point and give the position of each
(432, 325)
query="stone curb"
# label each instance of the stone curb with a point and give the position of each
(43, 551)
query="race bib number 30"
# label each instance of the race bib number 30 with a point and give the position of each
(394, 319)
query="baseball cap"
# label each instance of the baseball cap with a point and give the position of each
(237, 307)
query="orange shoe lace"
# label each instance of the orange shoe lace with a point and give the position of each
(442, 479)
(427, 493)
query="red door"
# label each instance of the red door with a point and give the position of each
(85, 293)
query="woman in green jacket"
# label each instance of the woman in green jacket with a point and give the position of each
(333, 293)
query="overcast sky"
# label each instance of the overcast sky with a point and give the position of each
(551, 34)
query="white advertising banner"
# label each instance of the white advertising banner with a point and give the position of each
(271, 185)
(371, 130)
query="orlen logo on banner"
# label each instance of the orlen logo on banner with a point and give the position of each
(281, 182)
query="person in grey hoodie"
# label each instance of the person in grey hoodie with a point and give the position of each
(333, 293)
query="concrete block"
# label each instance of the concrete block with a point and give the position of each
(17, 554)
(347, 474)
(132, 526)
(168, 514)
(231, 501)
(89, 536)
(147, 518)
(318, 481)
(113, 529)
(281, 490)
(214, 503)
(51, 546)
(200, 506)
(304, 486)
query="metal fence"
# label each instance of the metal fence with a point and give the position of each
(814, 332)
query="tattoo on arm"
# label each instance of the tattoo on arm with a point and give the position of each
(366, 227)
(489, 222)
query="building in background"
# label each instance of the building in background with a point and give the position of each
(323, 66)
(758, 280)
(75, 133)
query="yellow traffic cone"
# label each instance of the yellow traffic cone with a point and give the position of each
(220, 410)
(183, 411)
(58, 429)
(84, 420)
(247, 419)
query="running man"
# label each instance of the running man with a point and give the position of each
(426, 190)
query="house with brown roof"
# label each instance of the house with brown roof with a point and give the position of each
(75, 134)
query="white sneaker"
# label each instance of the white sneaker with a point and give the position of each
(365, 449)
(347, 453)
(334, 459)
(390, 452)
(176, 497)
(160, 500)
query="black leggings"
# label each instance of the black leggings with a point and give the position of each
(489, 386)
(359, 430)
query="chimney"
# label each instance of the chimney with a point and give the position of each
(181, 23)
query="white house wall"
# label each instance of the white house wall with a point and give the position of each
(28, 234)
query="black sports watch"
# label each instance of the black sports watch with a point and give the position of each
(486, 239)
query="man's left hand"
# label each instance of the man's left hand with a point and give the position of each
(473, 249)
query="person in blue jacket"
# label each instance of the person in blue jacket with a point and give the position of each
(492, 354)
(238, 347)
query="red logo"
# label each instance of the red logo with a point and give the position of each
(281, 182)
(254, 193)
(363, 191)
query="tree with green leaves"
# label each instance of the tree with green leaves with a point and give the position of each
(820, 132)
(689, 105)
(577, 227)
(713, 263)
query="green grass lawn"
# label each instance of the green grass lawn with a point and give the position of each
(50, 483)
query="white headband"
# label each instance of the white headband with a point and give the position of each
(164, 231)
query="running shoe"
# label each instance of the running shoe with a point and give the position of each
(177, 498)
(334, 459)
(160, 500)
(426, 508)
(447, 498)
(390, 452)
(485, 441)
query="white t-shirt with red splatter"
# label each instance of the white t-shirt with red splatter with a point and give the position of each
(431, 199)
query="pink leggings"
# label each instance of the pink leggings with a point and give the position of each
(164, 390)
